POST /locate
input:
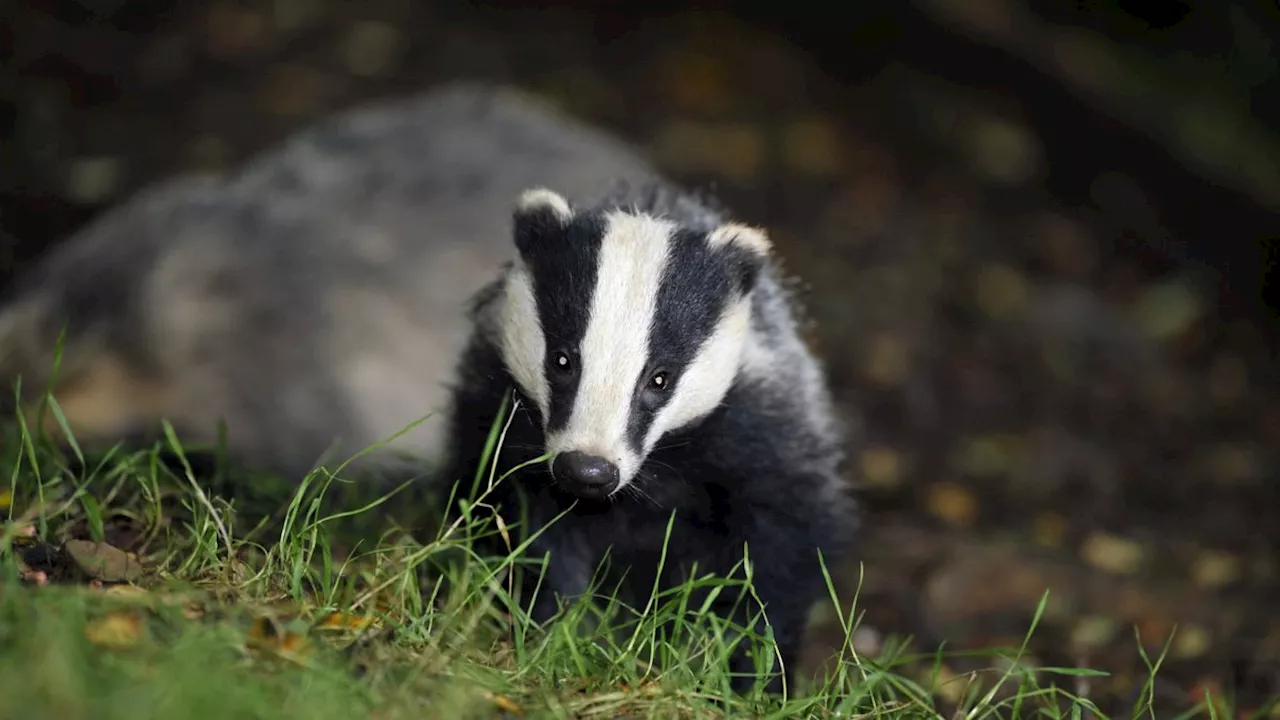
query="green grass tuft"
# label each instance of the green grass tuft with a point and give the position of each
(286, 602)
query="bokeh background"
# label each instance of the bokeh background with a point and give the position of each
(1035, 239)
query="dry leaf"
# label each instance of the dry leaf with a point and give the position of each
(118, 630)
(344, 621)
(506, 704)
(1112, 553)
(104, 562)
(952, 503)
(128, 592)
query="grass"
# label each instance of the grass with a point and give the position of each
(306, 601)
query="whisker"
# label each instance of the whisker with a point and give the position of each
(636, 489)
(637, 485)
(677, 472)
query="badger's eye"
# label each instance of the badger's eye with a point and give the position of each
(561, 362)
(658, 381)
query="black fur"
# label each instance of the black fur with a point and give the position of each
(755, 472)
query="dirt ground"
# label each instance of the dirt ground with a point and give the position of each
(1041, 406)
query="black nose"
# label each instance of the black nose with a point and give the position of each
(586, 476)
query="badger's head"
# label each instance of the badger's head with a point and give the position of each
(621, 328)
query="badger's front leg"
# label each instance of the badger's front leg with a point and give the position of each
(558, 567)
(781, 544)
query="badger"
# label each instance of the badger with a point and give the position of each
(652, 352)
(310, 304)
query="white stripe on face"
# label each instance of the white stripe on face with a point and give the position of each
(704, 383)
(523, 344)
(614, 350)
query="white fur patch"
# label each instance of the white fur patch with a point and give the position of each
(523, 343)
(744, 236)
(544, 199)
(633, 256)
(707, 379)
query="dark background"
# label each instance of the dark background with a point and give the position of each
(1036, 238)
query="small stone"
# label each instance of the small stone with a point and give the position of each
(887, 362)
(371, 48)
(952, 503)
(813, 146)
(1215, 569)
(1112, 553)
(881, 467)
(92, 180)
(1001, 292)
(104, 562)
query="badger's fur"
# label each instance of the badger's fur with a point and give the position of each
(314, 300)
(652, 349)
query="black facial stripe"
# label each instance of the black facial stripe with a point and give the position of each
(564, 272)
(697, 285)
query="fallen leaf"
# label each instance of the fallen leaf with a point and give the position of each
(1093, 632)
(1191, 641)
(104, 562)
(882, 467)
(129, 592)
(344, 621)
(506, 704)
(117, 630)
(950, 686)
(952, 503)
(1112, 553)
(1215, 569)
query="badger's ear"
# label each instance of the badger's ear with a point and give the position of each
(540, 213)
(748, 246)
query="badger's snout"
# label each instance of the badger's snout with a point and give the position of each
(590, 477)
